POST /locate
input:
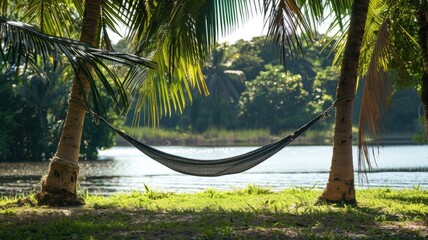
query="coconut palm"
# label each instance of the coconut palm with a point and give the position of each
(393, 42)
(394, 39)
(28, 42)
(340, 185)
(381, 40)
(223, 82)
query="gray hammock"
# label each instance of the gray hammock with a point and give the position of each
(218, 167)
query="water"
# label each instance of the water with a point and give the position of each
(123, 169)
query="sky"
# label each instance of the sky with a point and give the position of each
(255, 28)
(252, 28)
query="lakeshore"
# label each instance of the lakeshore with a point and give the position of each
(123, 169)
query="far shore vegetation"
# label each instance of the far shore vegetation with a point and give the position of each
(256, 137)
(250, 213)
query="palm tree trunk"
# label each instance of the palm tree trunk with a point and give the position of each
(423, 41)
(59, 186)
(340, 186)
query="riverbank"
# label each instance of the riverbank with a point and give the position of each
(251, 213)
(216, 137)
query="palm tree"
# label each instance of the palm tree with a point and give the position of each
(340, 185)
(384, 48)
(221, 81)
(39, 49)
(64, 169)
(371, 60)
(225, 86)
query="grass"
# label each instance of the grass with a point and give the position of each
(251, 213)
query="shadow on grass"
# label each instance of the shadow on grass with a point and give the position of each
(124, 223)
(409, 198)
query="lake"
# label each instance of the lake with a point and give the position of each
(123, 169)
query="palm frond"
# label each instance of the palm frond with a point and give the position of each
(313, 11)
(380, 54)
(373, 64)
(375, 99)
(24, 46)
(56, 18)
(166, 91)
(341, 10)
(287, 26)
(179, 35)
(317, 11)
(114, 14)
(403, 33)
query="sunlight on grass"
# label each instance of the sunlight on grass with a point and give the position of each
(250, 213)
(401, 204)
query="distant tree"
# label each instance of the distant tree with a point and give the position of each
(247, 58)
(316, 65)
(324, 87)
(275, 99)
(221, 79)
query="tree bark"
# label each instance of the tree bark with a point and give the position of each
(423, 42)
(59, 185)
(340, 186)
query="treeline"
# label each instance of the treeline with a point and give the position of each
(249, 88)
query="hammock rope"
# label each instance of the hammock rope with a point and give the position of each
(218, 167)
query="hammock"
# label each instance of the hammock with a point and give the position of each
(212, 168)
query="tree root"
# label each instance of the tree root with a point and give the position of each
(339, 203)
(58, 198)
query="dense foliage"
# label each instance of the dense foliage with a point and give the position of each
(275, 99)
(250, 89)
(32, 111)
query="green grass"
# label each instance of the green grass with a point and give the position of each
(251, 213)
